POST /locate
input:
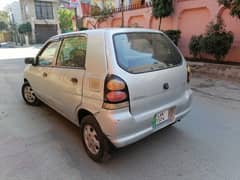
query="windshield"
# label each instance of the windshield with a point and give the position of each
(143, 52)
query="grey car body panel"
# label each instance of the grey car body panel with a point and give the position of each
(146, 93)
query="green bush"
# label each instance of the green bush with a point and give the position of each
(217, 41)
(195, 45)
(218, 44)
(174, 35)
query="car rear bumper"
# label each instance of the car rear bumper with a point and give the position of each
(122, 128)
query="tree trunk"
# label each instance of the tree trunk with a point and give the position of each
(160, 22)
(122, 12)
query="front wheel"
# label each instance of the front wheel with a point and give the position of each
(29, 95)
(95, 143)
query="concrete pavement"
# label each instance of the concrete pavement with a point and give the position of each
(20, 52)
(36, 143)
(215, 87)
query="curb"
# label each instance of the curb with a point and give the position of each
(214, 95)
(221, 71)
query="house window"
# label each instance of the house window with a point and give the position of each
(44, 10)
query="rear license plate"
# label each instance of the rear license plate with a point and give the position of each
(163, 116)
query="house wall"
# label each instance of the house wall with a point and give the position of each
(190, 16)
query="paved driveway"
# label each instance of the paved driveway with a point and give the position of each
(36, 143)
(20, 52)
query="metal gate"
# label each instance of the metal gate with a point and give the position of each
(44, 32)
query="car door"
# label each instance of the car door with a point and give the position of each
(69, 74)
(41, 72)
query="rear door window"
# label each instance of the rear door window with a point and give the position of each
(145, 52)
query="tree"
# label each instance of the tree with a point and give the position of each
(25, 29)
(161, 9)
(100, 15)
(233, 5)
(65, 19)
(4, 17)
(4, 20)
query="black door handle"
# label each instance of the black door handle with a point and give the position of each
(74, 80)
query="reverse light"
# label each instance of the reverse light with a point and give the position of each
(115, 84)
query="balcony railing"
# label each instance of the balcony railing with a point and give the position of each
(132, 7)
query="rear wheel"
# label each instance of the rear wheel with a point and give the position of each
(29, 95)
(95, 143)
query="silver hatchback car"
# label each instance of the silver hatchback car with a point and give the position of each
(117, 85)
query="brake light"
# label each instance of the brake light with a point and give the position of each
(115, 93)
(188, 74)
(116, 96)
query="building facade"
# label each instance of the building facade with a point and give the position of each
(42, 14)
(190, 16)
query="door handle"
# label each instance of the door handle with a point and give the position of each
(45, 74)
(74, 80)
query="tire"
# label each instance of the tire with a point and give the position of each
(95, 142)
(28, 95)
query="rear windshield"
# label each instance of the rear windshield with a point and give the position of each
(144, 52)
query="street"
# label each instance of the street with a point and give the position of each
(36, 143)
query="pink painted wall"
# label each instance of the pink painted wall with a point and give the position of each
(190, 16)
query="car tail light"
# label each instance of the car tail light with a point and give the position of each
(116, 94)
(188, 74)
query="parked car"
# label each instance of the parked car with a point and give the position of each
(117, 85)
(7, 45)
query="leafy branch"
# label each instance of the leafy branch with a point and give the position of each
(100, 15)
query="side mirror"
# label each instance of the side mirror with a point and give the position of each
(29, 60)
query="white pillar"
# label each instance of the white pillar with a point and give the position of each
(26, 39)
(33, 31)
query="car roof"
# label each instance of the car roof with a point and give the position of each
(102, 31)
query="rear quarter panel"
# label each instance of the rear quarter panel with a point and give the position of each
(96, 71)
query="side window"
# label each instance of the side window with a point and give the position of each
(46, 58)
(73, 52)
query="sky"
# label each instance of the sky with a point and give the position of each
(3, 3)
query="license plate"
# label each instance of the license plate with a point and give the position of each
(162, 116)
